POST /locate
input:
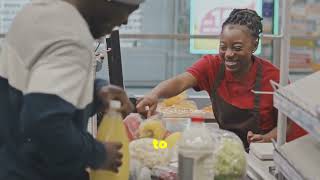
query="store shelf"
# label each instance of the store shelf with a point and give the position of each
(302, 117)
(299, 159)
(299, 102)
(305, 37)
(184, 36)
(301, 70)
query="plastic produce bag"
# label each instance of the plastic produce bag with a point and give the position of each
(132, 123)
(153, 127)
(229, 156)
(176, 124)
(195, 151)
(165, 172)
(145, 174)
(135, 169)
(138, 172)
(143, 150)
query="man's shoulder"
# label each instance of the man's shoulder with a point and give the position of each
(45, 20)
(43, 26)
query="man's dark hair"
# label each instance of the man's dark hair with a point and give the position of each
(248, 18)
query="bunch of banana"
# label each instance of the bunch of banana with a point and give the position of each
(152, 128)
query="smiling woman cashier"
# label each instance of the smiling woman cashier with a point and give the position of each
(229, 79)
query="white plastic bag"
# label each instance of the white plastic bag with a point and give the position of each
(144, 151)
(145, 174)
(135, 169)
(138, 172)
(132, 123)
(229, 156)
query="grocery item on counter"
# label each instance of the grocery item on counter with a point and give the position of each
(208, 112)
(176, 124)
(262, 151)
(175, 99)
(112, 129)
(182, 109)
(132, 123)
(152, 128)
(207, 108)
(172, 139)
(138, 172)
(144, 151)
(196, 152)
(230, 161)
(212, 126)
(198, 113)
(165, 173)
(135, 169)
(145, 174)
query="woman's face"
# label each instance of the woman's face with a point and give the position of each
(236, 48)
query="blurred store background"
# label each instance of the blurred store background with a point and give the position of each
(149, 60)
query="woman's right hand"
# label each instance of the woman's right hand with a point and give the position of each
(147, 105)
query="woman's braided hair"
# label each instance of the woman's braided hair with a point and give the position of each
(248, 18)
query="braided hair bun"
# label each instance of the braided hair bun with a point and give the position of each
(248, 18)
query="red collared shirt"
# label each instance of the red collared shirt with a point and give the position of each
(238, 93)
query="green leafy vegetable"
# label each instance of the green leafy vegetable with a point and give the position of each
(230, 160)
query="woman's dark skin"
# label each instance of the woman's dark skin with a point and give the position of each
(236, 48)
(237, 45)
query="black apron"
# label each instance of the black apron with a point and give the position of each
(232, 118)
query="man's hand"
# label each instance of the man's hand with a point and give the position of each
(111, 92)
(148, 101)
(258, 138)
(114, 156)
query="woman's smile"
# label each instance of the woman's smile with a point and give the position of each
(232, 65)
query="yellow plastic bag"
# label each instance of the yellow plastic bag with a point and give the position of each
(112, 129)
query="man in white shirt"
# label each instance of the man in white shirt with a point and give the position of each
(48, 90)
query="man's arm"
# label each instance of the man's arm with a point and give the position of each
(48, 126)
(98, 104)
(54, 95)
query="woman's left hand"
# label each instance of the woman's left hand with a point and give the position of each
(256, 138)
